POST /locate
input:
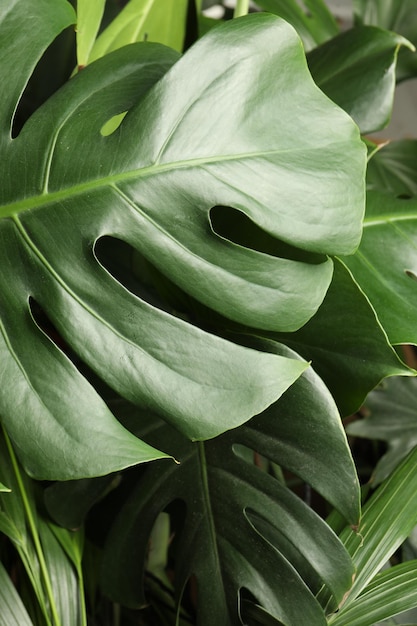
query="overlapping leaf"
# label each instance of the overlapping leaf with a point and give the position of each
(315, 25)
(400, 17)
(162, 21)
(385, 265)
(393, 168)
(391, 417)
(387, 520)
(243, 529)
(195, 140)
(351, 362)
(357, 71)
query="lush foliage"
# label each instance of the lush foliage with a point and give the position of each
(200, 276)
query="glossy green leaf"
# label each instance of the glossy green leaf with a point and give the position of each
(385, 265)
(351, 362)
(393, 168)
(314, 25)
(89, 15)
(242, 527)
(400, 17)
(391, 416)
(357, 71)
(188, 144)
(391, 592)
(13, 612)
(387, 520)
(161, 21)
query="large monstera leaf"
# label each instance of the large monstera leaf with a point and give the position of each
(242, 528)
(237, 122)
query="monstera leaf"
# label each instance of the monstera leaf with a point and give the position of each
(243, 530)
(400, 17)
(356, 70)
(237, 122)
(385, 265)
(355, 361)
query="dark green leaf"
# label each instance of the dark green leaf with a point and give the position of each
(351, 361)
(398, 16)
(385, 265)
(243, 528)
(393, 168)
(391, 417)
(357, 71)
(194, 141)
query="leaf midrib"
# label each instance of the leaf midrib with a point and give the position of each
(43, 199)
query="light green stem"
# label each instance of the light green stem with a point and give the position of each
(35, 536)
(241, 8)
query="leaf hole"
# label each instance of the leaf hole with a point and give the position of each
(235, 226)
(44, 324)
(131, 269)
(404, 196)
(139, 276)
(51, 72)
(112, 124)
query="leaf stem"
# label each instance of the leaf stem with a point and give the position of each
(241, 8)
(35, 536)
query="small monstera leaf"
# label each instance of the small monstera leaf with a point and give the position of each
(242, 528)
(237, 122)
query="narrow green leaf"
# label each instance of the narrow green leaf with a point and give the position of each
(387, 520)
(64, 579)
(12, 609)
(357, 71)
(391, 592)
(161, 21)
(89, 15)
(385, 265)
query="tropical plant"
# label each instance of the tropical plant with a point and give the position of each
(185, 314)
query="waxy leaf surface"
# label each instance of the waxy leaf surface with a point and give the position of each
(243, 529)
(385, 265)
(236, 122)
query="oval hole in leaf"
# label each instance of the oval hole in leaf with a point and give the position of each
(235, 226)
(51, 72)
(43, 322)
(112, 124)
(132, 270)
